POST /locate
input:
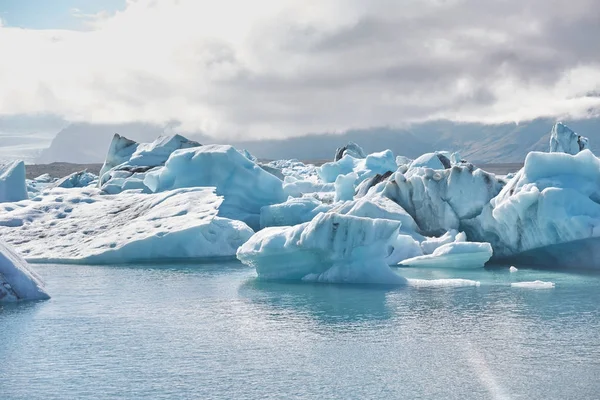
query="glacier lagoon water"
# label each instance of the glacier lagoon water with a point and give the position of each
(213, 331)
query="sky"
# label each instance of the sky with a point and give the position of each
(277, 68)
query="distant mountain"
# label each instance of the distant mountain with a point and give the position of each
(478, 143)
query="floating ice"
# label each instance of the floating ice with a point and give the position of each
(441, 283)
(12, 182)
(17, 280)
(564, 140)
(344, 187)
(76, 179)
(454, 255)
(533, 285)
(440, 200)
(549, 213)
(244, 185)
(373, 164)
(351, 149)
(84, 226)
(330, 248)
(513, 269)
(127, 161)
(293, 212)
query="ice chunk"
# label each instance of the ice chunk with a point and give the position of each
(44, 178)
(548, 214)
(293, 212)
(454, 255)
(429, 160)
(378, 206)
(442, 283)
(381, 162)
(17, 280)
(126, 157)
(344, 187)
(76, 179)
(12, 182)
(81, 225)
(366, 185)
(564, 140)
(297, 187)
(440, 200)
(430, 244)
(330, 248)
(373, 164)
(533, 285)
(513, 269)
(351, 149)
(244, 185)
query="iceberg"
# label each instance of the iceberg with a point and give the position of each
(548, 214)
(331, 248)
(127, 158)
(76, 179)
(17, 280)
(366, 167)
(439, 200)
(564, 140)
(244, 185)
(294, 211)
(298, 187)
(344, 187)
(454, 255)
(12, 182)
(533, 285)
(82, 225)
(351, 149)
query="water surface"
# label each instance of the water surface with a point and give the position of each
(213, 331)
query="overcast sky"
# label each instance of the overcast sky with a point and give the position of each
(275, 68)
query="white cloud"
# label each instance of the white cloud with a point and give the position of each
(287, 67)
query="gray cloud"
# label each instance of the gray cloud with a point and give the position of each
(333, 65)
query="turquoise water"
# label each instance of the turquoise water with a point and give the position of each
(215, 332)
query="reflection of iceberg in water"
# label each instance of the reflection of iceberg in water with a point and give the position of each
(327, 304)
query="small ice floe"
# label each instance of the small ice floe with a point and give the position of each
(513, 268)
(437, 283)
(533, 285)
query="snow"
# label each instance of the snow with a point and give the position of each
(454, 255)
(81, 225)
(244, 185)
(564, 140)
(331, 248)
(17, 280)
(548, 212)
(12, 182)
(533, 285)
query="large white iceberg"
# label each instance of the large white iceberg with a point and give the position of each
(244, 185)
(12, 182)
(564, 140)
(17, 280)
(84, 226)
(548, 214)
(330, 248)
